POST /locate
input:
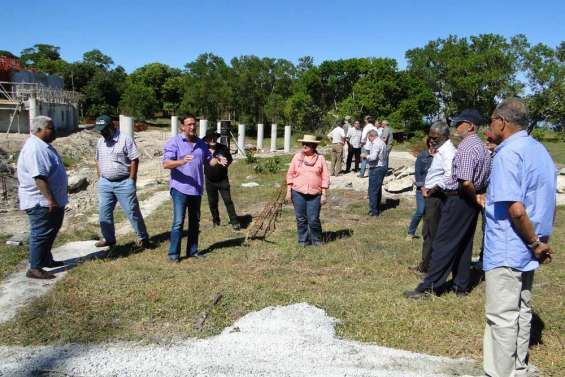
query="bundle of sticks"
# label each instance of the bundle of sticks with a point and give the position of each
(266, 220)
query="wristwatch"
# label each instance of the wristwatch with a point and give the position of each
(534, 244)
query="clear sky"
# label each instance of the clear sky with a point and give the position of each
(174, 32)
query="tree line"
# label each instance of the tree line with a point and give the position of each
(440, 79)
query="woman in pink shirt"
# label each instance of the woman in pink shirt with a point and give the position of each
(307, 181)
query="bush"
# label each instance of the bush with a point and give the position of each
(250, 158)
(538, 134)
(268, 165)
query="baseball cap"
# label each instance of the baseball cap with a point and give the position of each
(467, 115)
(102, 122)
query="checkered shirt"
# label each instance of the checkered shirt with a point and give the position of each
(115, 155)
(471, 163)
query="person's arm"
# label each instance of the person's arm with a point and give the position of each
(133, 169)
(170, 155)
(525, 229)
(446, 164)
(419, 171)
(290, 178)
(325, 180)
(173, 164)
(468, 189)
(43, 186)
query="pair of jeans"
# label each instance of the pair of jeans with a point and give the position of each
(223, 187)
(182, 203)
(376, 178)
(307, 211)
(353, 152)
(363, 162)
(43, 228)
(418, 214)
(125, 192)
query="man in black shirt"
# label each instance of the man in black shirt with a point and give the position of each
(217, 180)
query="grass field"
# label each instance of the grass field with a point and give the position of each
(358, 276)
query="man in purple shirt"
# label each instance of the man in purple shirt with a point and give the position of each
(452, 246)
(185, 155)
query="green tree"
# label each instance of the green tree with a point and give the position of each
(301, 112)
(154, 76)
(139, 100)
(43, 57)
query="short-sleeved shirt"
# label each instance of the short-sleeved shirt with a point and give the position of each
(368, 128)
(337, 135)
(114, 156)
(471, 163)
(354, 136)
(39, 159)
(522, 172)
(188, 178)
(377, 153)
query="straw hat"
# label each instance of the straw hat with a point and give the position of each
(309, 139)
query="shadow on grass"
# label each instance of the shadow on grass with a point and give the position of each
(389, 204)
(245, 221)
(336, 235)
(224, 244)
(536, 331)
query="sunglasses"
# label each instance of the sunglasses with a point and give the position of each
(309, 145)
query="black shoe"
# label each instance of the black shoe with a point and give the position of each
(39, 273)
(145, 244)
(417, 294)
(215, 223)
(54, 264)
(197, 255)
(459, 292)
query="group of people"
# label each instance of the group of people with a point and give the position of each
(513, 182)
(43, 186)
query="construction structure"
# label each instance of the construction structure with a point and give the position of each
(26, 94)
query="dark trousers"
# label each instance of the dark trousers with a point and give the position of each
(350, 153)
(376, 178)
(222, 187)
(307, 210)
(452, 247)
(43, 229)
(432, 215)
(182, 203)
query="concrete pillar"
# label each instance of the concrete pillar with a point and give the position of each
(203, 127)
(273, 137)
(33, 110)
(241, 138)
(260, 133)
(219, 127)
(174, 125)
(126, 125)
(286, 139)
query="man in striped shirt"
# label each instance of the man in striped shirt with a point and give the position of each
(452, 246)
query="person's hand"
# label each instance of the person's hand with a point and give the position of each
(288, 197)
(543, 253)
(323, 199)
(52, 204)
(425, 192)
(481, 200)
(186, 159)
(222, 160)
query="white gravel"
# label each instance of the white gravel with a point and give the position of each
(294, 340)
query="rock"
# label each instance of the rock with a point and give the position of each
(18, 239)
(349, 185)
(561, 184)
(249, 184)
(400, 185)
(77, 183)
(406, 172)
(562, 171)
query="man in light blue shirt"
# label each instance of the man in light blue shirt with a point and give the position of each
(520, 209)
(42, 192)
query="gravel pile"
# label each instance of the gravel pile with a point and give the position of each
(294, 340)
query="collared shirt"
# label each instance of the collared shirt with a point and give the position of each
(337, 135)
(377, 152)
(354, 136)
(440, 169)
(308, 174)
(422, 165)
(386, 135)
(114, 156)
(187, 178)
(39, 159)
(471, 163)
(368, 128)
(522, 171)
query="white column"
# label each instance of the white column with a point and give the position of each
(126, 125)
(286, 139)
(219, 127)
(203, 128)
(240, 138)
(33, 110)
(273, 137)
(174, 125)
(260, 132)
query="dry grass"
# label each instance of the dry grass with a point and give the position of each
(358, 278)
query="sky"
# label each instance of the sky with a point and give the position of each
(173, 32)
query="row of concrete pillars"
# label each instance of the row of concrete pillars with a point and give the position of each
(203, 127)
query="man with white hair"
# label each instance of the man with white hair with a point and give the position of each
(42, 192)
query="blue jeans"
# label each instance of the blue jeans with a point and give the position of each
(43, 228)
(109, 193)
(307, 210)
(376, 177)
(418, 214)
(363, 163)
(182, 202)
